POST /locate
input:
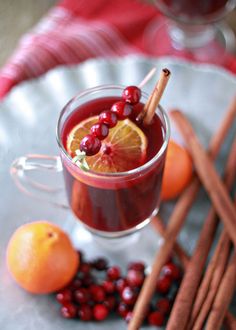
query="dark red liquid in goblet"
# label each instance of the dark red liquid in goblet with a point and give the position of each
(116, 203)
(193, 9)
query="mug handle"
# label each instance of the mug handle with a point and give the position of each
(24, 167)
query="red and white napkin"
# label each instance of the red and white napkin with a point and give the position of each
(75, 30)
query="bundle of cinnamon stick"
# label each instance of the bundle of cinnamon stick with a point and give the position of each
(208, 286)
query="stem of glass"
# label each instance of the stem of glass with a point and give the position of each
(185, 36)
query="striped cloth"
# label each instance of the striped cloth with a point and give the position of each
(76, 30)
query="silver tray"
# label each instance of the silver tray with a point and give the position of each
(27, 125)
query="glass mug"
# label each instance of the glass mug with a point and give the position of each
(110, 205)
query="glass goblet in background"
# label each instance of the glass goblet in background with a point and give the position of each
(191, 28)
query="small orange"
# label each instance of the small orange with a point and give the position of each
(41, 258)
(178, 171)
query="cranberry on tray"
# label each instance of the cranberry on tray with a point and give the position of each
(68, 310)
(64, 296)
(85, 312)
(100, 290)
(113, 273)
(100, 312)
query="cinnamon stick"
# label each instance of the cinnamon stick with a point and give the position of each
(175, 224)
(150, 107)
(159, 226)
(208, 176)
(219, 269)
(206, 285)
(222, 248)
(223, 297)
(207, 291)
(212, 279)
(224, 128)
(186, 294)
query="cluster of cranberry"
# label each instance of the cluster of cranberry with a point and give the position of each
(91, 296)
(120, 110)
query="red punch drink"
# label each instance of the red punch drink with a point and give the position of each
(195, 10)
(121, 190)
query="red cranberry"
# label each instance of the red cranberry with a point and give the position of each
(113, 273)
(110, 302)
(109, 118)
(164, 305)
(76, 284)
(64, 296)
(140, 266)
(87, 280)
(69, 311)
(123, 309)
(85, 312)
(90, 145)
(97, 292)
(122, 109)
(82, 295)
(109, 286)
(100, 130)
(121, 283)
(163, 284)
(100, 312)
(100, 264)
(156, 318)
(135, 278)
(172, 270)
(128, 317)
(85, 268)
(131, 94)
(129, 295)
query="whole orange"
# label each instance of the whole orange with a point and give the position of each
(41, 258)
(177, 172)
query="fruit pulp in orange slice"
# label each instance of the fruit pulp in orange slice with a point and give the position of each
(124, 148)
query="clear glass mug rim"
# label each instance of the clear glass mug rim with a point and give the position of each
(120, 174)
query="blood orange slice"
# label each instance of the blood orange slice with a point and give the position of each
(123, 149)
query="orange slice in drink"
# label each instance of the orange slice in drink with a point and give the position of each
(123, 149)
